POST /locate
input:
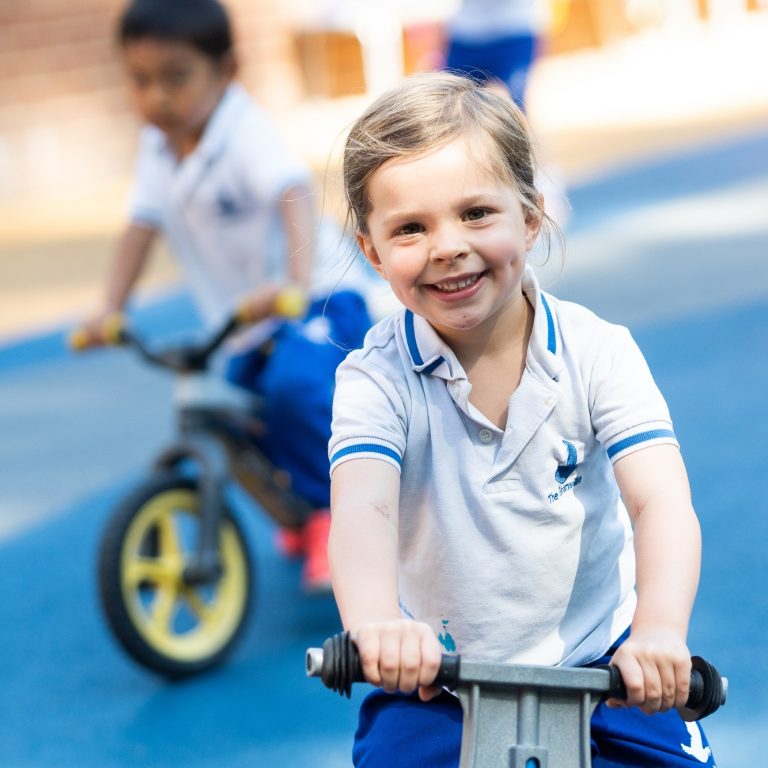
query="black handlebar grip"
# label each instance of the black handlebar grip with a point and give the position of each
(708, 689)
(338, 665)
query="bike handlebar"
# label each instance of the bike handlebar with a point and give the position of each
(290, 303)
(338, 665)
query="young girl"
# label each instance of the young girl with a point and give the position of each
(505, 482)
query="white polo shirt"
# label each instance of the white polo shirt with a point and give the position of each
(218, 207)
(514, 544)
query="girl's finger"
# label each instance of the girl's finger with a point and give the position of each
(410, 662)
(369, 649)
(652, 687)
(389, 658)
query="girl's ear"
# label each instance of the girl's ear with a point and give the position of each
(365, 244)
(533, 219)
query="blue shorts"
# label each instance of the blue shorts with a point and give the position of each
(295, 376)
(400, 730)
(507, 59)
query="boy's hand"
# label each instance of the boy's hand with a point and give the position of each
(287, 301)
(98, 331)
(655, 665)
(400, 655)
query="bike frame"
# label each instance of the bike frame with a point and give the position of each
(217, 427)
(528, 716)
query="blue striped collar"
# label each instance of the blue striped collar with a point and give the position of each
(431, 355)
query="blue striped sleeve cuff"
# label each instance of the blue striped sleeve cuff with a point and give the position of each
(633, 440)
(365, 448)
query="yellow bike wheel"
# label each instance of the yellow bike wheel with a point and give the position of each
(166, 624)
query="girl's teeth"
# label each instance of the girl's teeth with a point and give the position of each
(457, 285)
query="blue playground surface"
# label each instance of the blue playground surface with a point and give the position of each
(677, 249)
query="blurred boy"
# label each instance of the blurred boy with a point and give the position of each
(237, 209)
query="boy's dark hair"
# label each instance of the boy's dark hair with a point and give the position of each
(203, 24)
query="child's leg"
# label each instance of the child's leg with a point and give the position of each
(403, 731)
(628, 737)
(297, 385)
(507, 59)
(296, 382)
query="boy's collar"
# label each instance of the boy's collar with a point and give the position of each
(430, 355)
(218, 131)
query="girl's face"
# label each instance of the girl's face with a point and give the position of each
(174, 86)
(449, 236)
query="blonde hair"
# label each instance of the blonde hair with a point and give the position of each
(427, 111)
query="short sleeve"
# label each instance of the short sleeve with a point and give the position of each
(369, 414)
(627, 409)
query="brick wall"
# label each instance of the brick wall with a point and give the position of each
(64, 116)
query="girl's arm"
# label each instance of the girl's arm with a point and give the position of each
(655, 661)
(396, 653)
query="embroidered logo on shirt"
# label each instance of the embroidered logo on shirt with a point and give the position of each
(565, 471)
(227, 206)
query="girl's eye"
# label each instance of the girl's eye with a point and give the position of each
(409, 229)
(475, 214)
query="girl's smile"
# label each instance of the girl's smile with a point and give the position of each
(460, 287)
(450, 237)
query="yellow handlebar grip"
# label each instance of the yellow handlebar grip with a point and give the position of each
(78, 340)
(243, 314)
(290, 302)
(112, 329)
(110, 333)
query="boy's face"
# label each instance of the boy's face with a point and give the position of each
(174, 86)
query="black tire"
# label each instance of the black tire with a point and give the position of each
(168, 626)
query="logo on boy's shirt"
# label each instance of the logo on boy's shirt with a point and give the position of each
(227, 206)
(564, 472)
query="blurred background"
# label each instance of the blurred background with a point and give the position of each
(617, 80)
(652, 117)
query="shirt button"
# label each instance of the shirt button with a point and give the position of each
(485, 435)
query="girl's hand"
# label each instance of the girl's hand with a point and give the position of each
(400, 655)
(655, 665)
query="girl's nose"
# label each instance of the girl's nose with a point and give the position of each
(447, 245)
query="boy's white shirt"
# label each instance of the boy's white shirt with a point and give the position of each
(514, 544)
(218, 208)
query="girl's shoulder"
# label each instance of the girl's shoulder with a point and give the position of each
(584, 333)
(380, 346)
(580, 320)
